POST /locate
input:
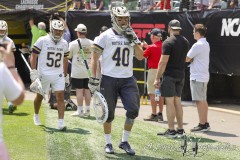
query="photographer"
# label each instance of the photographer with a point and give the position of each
(11, 86)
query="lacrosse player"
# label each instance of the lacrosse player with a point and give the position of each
(3, 39)
(51, 51)
(117, 46)
(79, 75)
(11, 86)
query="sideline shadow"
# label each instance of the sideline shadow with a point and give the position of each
(219, 134)
(89, 118)
(166, 122)
(129, 157)
(6, 112)
(69, 130)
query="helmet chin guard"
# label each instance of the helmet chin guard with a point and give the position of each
(3, 27)
(119, 12)
(56, 25)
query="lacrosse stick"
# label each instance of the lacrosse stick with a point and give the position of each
(99, 102)
(36, 86)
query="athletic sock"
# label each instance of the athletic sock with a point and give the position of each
(60, 122)
(87, 108)
(108, 138)
(80, 108)
(125, 135)
(36, 115)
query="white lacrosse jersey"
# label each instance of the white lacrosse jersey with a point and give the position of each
(9, 40)
(79, 69)
(117, 54)
(8, 88)
(50, 55)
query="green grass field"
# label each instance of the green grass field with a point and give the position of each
(84, 139)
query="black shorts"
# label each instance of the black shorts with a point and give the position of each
(79, 83)
(171, 87)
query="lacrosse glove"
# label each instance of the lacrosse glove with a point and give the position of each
(67, 82)
(93, 84)
(34, 75)
(131, 36)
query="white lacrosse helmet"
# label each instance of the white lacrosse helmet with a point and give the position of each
(119, 12)
(56, 29)
(3, 27)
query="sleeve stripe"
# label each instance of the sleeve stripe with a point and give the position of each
(36, 48)
(66, 54)
(97, 47)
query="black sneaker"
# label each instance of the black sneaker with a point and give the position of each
(109, 148)
(152, 117)
(180, 132)
(168, 133)
(160, 117)
(208, 126)
(200, 128)
(127, 148)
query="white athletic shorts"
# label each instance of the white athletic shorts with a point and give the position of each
(198, 90)
(56, 81)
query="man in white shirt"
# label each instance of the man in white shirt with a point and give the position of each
(79, 75)
(51, 51)
(117, 46)
(198, 55)
(11, 86)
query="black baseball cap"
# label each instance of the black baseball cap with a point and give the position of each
(156, 32)
(175, 24)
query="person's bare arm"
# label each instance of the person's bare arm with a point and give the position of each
(65, 65)
(100, 6)
(31, 22)
(94, 63)
(161, 69)
(138, 52)
(188, 59)
(33, 60)
(9, 60)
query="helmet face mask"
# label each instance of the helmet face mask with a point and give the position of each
(120, 18)
(56, 30)
(3, 29)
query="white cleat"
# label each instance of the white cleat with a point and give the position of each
(87, 113)
(77, 114)
(62, 127)
(36, 120)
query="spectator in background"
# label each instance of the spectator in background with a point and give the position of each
(153, 53)
(99, 5)
(198, 55)
(232, 4)
(37, 31)
(171, 68)
(11, 86)
(202, 4)
(131, 4)
(77, 5)
(79, 74)
(66, 33)
(146, 5)
(163, 4)
(5, 39)
(184, 5)
(215, 4)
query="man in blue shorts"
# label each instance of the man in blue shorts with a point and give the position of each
(117, 46)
